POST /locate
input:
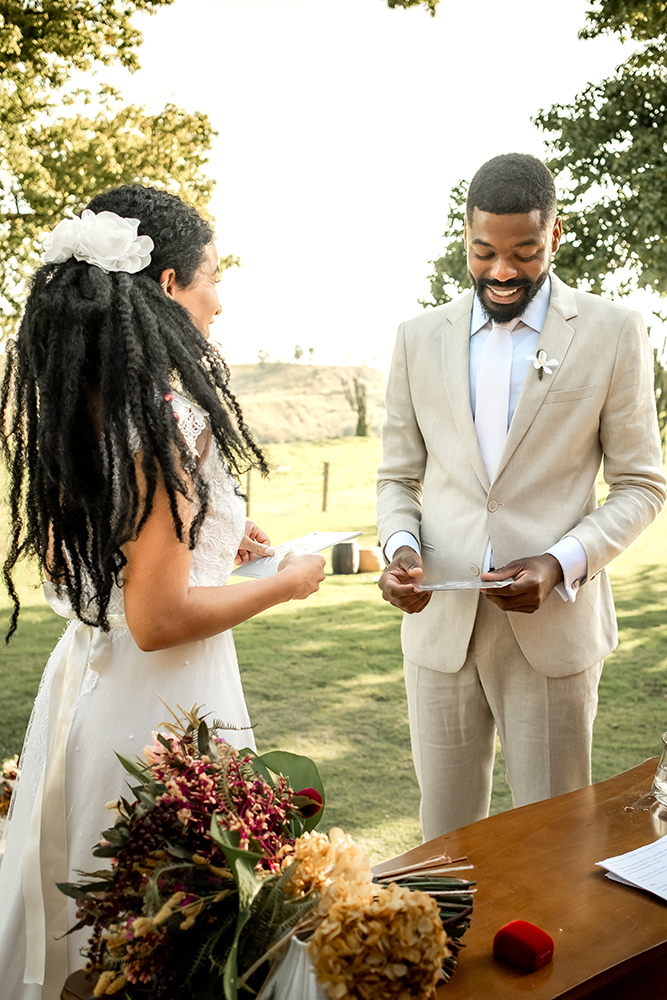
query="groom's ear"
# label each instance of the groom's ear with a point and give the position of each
(556, 234)
(465, 232)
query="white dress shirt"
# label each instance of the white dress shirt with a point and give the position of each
(568, 551)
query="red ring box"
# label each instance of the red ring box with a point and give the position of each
(524, 945)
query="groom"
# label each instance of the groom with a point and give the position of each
(500, 407)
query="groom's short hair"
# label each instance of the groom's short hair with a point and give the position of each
(513, 183)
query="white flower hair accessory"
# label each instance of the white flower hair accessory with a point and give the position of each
(103, 239)
(541, 364)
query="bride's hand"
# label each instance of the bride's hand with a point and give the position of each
(254, 543)
(307, 572)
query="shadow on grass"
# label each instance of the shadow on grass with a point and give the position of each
(335, 691)
(328, 682)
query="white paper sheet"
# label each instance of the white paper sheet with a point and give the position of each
(644, 868)
(316, 541)
(474, 584)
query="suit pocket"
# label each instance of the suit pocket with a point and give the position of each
(569, 395)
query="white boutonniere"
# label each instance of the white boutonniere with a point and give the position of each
(541, 364)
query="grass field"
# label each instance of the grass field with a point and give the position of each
(324, 677)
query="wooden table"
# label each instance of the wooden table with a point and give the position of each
(537, 863)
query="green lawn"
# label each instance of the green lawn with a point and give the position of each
(324, 677)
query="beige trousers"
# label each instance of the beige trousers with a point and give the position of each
(545, 726)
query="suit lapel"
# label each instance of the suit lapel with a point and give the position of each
(455, 369)
(555, 340)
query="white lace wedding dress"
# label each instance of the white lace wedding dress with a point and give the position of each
(113, 706)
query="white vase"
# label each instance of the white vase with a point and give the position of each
(294, 978)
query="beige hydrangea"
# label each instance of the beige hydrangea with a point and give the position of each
(389, 945)
(332, 865)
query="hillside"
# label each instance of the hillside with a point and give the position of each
(300, 402)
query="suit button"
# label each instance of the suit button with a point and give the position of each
(474, 570)
(492, 505)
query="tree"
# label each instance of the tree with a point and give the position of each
(59, 146)
(607, 149)
(607, 152)
(311, 351)
(450, 271)
(660, 389)
(298, 352)
(608, 155)
(429, 4)
(356, 397)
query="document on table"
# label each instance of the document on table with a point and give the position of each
(644, 868)
(310, 544)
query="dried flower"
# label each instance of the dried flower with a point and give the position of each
(7, 782)
(330, 865)
(392, 945)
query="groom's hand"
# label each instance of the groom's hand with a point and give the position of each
(397, 583)
(534, 579)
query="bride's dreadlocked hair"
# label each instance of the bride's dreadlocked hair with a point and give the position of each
(95, 357)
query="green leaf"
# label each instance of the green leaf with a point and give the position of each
(179, 852)
(301, 772)
(105, 851)
(259, 767)
(117, 835)
(203, 738)
(242, 864)
(134, 769)
(72, 890)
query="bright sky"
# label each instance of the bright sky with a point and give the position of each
(342, 127)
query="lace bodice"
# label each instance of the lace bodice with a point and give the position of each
(224, 524)
(223, 527)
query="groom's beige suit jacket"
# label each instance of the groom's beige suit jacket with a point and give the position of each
(597, 405)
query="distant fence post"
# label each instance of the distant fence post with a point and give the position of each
(247, 493)
(325, 485)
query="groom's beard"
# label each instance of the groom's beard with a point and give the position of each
(500, 313)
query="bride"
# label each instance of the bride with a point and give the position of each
(122, 440)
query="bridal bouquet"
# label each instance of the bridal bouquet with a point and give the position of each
(216, 865)
(8, 775)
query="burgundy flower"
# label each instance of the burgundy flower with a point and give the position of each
(308, 801)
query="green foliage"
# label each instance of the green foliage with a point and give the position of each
(356, 398)
(660, 389)
(607, 150)
(59, 147)
(642, 20)
(450, 270)
(301, 772)
(430, 5)
(45, 39)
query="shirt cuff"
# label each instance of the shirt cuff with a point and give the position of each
(395, 541)
(571, 554)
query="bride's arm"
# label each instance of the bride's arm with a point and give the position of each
(163, 610)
